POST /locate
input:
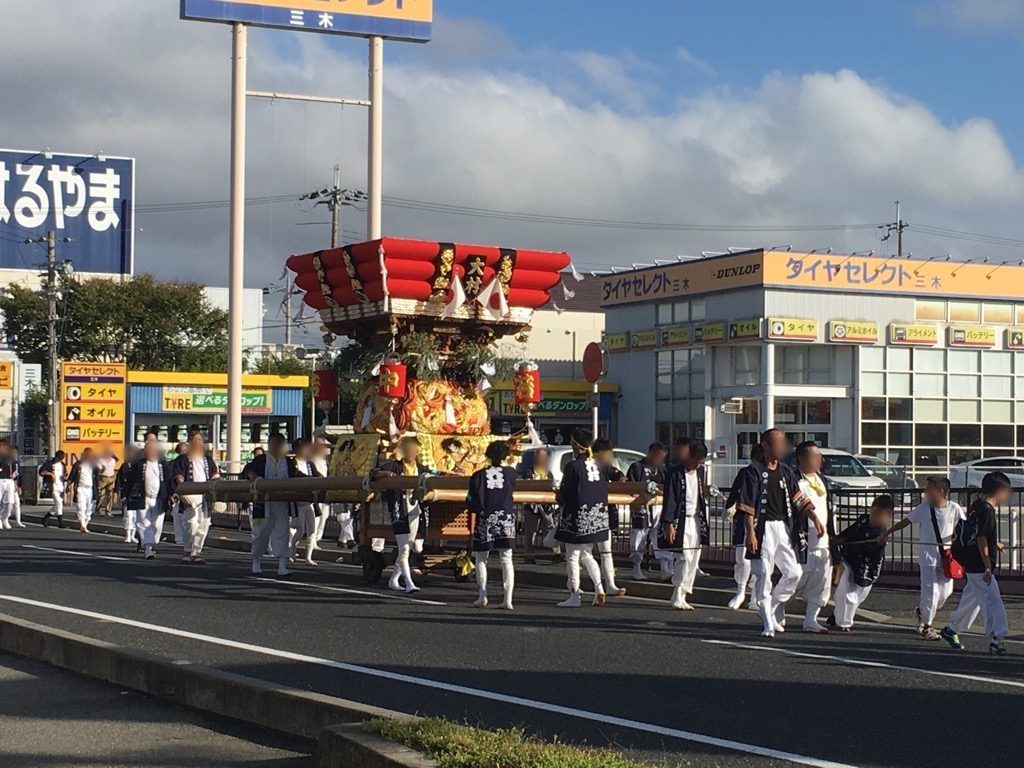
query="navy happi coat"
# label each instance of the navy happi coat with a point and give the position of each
(861, 554)
(490, 501)
(642, 472)
(401, 505)
(584, 498)
(674, 509)
(752, 490)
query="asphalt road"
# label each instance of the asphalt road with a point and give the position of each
(698, 688)
(57, 719)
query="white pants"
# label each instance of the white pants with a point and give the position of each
(849, 596)
(815, 583)
(639, 538)
(347, 532)
(604, 551)
(575, 554)
(508, 574)
(979, 597)
(302, 524)
(742, 572)
(321, 523)
(150, 523)
(131, 524)
(274, 530)
(8, 493)
(179, 528)
(406, 542)
(686, 564)
(936, 588)
(195, 524)
(16, 507)
(83, 505)
(58, 502)
(776, 552)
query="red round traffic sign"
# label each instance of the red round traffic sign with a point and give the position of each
(593, 363)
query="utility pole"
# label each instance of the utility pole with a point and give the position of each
(287, 311)
(897, 226)
(51, 323)
(335, 206)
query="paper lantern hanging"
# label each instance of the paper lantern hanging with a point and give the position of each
(325, 388)
(526, 384)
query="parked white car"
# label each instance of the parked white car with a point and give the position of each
(969, 474)
(561, 455)
(845, 471)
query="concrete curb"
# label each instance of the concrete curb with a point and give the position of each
(551, 576)
(308, 715)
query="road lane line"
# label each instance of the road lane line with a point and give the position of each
(365, 592)
(78, 554)
(437, 685)
(867, 663)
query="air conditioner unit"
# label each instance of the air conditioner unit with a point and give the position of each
(733, 406)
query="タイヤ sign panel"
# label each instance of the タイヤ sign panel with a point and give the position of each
(87, 198)
(395, 19)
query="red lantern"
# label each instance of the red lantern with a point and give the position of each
(393, 379)
(526, 384)
(325, 386)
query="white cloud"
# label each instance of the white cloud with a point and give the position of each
(995, 14)
(822, 148)
(688, 57)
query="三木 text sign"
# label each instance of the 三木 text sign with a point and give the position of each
(396, 19)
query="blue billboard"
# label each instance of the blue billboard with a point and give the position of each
(87, 198)
(396, 19)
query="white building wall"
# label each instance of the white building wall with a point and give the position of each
(252, 309)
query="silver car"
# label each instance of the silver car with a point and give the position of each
(969, 474)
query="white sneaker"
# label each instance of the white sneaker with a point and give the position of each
(480, 602)
(573, 601)
(737, 601)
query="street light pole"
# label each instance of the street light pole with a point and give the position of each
(51, 323)
(336, 209)
(236, 283)
(376, 155)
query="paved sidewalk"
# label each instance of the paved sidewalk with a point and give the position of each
(56, 719)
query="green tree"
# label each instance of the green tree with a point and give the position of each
(149, 324)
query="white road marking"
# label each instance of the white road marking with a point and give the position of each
(365, 592)
(437, 685)
(78, 554)
(867, 663)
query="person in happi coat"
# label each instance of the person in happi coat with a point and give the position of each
(862, 549)
(195, 466)
(304, 514)
(493, 514)
(106, 471)
(129, 515)
(83, 482)
(181, 449)
(538, 519)
(816, 579)
(645, 520)
(583, 497)
(321, 463)
(684, 520)
(604, 453)
(775, 514)
(271, 519)
(147, 496)
(15, 507)
(8, 483)
(55, 471)
(409, 515)
(741, 570)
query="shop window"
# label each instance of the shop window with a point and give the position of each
(997, 362)
(931, 434)
(964, 312)
(901, 434)
(872, 433)
(820, 365)
(698, 360)
(819, 412)
(697, 311)
(872, 383)
(751, 413)
(663, 410)
(1020, 435)
(964, 411)
(1018, 317)
(963, 386)
(901, 409)
(996, 412)
(999, 314)
(664, 432)
(996, 386)
(929, 385)
(872, 408)
(872, 358)
(898, 384)
(681, 312)
(897, 359)
(789, 412)
(682, 410)
(664, 388)
(963, 455)
(929, 360)
(746, 363)
(930, 410)
(965, 434)
(931, 457)
(963, 360)
(998, 436)
(929, 310)
(664, 314)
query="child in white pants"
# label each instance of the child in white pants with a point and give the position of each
(862, 548)
(976, 546)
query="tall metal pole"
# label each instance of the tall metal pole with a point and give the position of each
(336, 209)
(597, 408)
(239, 41)
(51, 321)
(287, 311)
(899, 232)
(376, 156)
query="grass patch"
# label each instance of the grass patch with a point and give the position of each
(460, 746)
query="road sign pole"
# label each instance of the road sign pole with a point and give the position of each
(239, 44)
(597, 405)
(375, 171)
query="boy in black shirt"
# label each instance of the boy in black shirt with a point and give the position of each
(862, 549)
(976, 545)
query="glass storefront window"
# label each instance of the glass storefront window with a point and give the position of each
(872, 408)
(872, 358)
(930, 310)
(872, 433)
(681, 312)
(819, 365)
(996, 362)
(819, 412)
(996, 412)
(964, 410)
(901, 410)
(664, 314)
(901, 434)
(930, 360)
(664, 387)
(996, 386)
(751, 411)
(872, 383)
(929, 410)
(931, 434)
(964, 312)
(898, 384)
(698, 360)
(697, 311)
(963, 386)
(897, 359)
(963, 360)
(999, 314)
(965, 434)
(789, 412)
(998, 435)
(929, 384)
(746, 363)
